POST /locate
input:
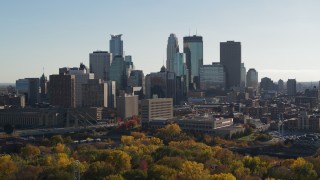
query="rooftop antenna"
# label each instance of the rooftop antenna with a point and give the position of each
(189, 31)
(43, 69)
(196, 31)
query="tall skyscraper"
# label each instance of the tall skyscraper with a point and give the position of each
(43, 88)
(172, 49)
(280, 86)
(230, 57)
(292, 87)
(116, 45)
(243, 76)
(193, 48)
(100, 62)
(118, 72)
(252, 79)
(179, 64)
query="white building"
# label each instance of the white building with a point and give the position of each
(172, 49)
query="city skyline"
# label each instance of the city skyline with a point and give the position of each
(277, 38)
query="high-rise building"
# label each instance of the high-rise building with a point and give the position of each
(252, 79)
(127, 106)
(157, 108)
(82, 76)
(243, 76)
(193, 48)
(172, 49)
(230, 57)
(179, 64)
(29, 87)
(100, 62)
(116, 45)
(212, 77)
(43, 88)
(292, 87)
(163, 84)
(112, 94)
(281, 86)
(136, 78)
(267, 84)
(62, 90)
(129, 65)
(95, 93)
(118, 72)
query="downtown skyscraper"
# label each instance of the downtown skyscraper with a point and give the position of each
(116, 45)
(193, 48)
(230, 57)
(172, 50)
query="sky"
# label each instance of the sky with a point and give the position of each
(280, 39)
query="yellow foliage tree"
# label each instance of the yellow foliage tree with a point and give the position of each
(7, 166)
(192, 170)
(127, 140)
(223, 176)
(30, 151)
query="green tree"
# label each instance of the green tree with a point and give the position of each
(135, 174)
(303, 169)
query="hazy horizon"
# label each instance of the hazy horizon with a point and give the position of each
(279, 38)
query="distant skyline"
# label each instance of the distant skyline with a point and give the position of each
(280, 39)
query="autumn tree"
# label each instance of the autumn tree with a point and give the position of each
(192, 170)
(30, 151)
(7, 166)
(162, 172)
(223, 176)
(303, 169)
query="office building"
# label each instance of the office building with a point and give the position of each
(112, 94)
(281, 86)
(29, 87)
(172, 49)
(82, 76)
(100, 62)
(157, 108)
(252, 79)
(116, 45)
(230, 57)
(136, 78)
(62, 90)
(127, 106)
(129, 65)
(163, 84)
(95, 93)
(267, 84)
(118, 72)
(243, 76)
(193, 48)
(43, 88)
(179, 64)
(212, 77)
(292, 87)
